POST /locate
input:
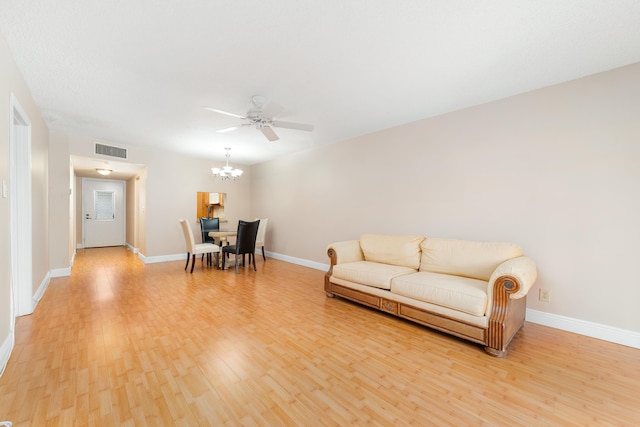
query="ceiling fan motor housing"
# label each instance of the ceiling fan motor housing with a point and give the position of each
(254, 113)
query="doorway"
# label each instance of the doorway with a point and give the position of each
(103, 213)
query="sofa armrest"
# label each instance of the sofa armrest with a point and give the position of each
(507, 287)
(341, 252)
(348, 251)
(521, 269)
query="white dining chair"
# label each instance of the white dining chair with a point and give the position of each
(194, 248)
(262, 232)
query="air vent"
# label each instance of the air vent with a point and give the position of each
(108, 150)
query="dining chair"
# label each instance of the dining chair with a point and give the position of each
(262, 231)
(194, 248)
(207, 225)
(245, 243)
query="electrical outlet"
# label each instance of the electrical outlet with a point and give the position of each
(543, 295)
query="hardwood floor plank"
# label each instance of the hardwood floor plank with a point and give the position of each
(124, 343)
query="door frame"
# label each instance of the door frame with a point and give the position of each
(20, 212)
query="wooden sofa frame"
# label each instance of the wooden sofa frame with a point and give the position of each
(506, 319)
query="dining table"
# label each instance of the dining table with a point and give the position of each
(222, 236)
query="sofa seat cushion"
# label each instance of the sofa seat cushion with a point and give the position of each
(403, 250)
(477, 260)
(370, 273)
(455, 292)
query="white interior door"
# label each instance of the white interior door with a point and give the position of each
(20, 211)
(103, 213)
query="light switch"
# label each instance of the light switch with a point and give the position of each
(4, 189)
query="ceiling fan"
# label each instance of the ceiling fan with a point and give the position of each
(261, 116)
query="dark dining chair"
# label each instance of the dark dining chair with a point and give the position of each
(245, 243)
(207, 225)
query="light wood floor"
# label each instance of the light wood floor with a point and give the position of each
(123, 343)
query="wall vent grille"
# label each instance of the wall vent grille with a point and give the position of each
(108, 150)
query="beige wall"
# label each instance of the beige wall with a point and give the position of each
(77, 218)
(172, 184)
(141, 212)
(60, 202)
(131, 235)
(556, 170)
(11, 81)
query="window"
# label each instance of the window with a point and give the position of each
(105, 205)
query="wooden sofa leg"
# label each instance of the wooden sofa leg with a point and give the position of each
(495, 352)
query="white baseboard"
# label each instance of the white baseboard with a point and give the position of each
(162, 258)
(287, 258)
(294, 260)
(5, 352)
(584, 327)
(40, 292)
(60, 272)
(132, 249)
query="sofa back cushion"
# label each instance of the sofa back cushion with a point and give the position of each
(465, 258)
(402, 250)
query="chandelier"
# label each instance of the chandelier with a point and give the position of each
(227, 173)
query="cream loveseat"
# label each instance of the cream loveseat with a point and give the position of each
(473, 290)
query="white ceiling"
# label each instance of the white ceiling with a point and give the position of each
(87, 167)
(138, 72)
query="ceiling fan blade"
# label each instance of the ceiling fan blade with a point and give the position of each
(269, 133)
(215, 110)
(291, 125)
(232, 128)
